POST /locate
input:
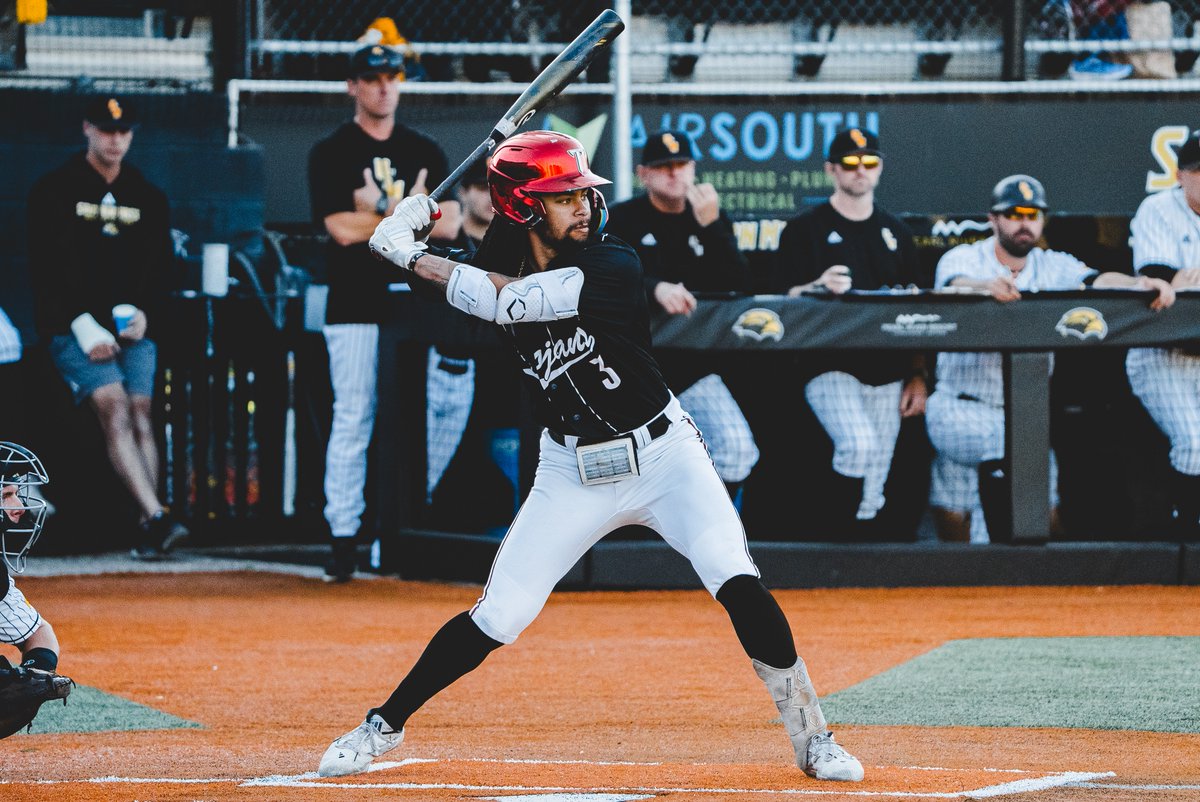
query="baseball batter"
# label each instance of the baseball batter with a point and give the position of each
(617, 447)
(685, 242)
(357, 175)
(22, 514)
(965, 414)
(1166, 245)
(859, 397)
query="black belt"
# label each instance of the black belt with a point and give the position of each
(965, 397)
(654, 429)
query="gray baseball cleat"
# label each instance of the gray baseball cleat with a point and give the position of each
(355, 750)
(825, 759)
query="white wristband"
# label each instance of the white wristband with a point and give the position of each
(88, 333)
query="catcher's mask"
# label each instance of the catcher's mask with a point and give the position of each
(541, 162)
(22, 508)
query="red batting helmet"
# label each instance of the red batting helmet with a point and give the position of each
(538, 162)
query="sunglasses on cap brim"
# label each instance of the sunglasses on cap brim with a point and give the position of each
(1022, 213)
(868, 161)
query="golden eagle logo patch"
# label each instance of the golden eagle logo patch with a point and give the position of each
(758, 325)
(1082, 322)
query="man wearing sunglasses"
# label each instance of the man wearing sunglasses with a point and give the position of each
(965, 415)
(859, 397)
(1166, 245)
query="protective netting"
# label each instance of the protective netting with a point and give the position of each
(705, 42)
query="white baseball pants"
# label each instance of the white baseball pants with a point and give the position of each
(863, 421)
(353, 363)
(678, 495)
(1168, 384)
(726, 431)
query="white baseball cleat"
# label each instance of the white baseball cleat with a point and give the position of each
(355, 750)
(827, 760)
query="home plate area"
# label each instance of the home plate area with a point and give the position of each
(585, 781)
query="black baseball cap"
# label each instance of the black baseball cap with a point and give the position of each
(1019, 191)
(853, 140)
(374, 59)
(476, 175)
(669, 146)
(1187, 155)
(110, 113)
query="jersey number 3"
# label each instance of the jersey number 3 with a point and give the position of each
(611, 381)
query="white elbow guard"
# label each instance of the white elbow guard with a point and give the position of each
(542, 297)
(88, 333)
(470, 290)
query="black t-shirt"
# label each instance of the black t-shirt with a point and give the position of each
(357, 280)
(677, 249)
(93, 245)
(879, 252)
(593, 375)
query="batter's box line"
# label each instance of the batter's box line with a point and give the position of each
(1014, 787)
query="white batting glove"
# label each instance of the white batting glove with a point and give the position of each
(398, 238)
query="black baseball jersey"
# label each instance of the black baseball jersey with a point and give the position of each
(593, 375)
(677, 249)
(93, 245)
(879, 252)
(357, 280)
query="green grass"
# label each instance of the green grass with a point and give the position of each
(91, 710)
(1113, 683)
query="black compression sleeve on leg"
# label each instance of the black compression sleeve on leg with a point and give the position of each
(457, 649)
(760, 625)
(42, 658)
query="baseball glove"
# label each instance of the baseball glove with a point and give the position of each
(23, 691)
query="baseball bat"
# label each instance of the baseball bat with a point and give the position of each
(565, 68)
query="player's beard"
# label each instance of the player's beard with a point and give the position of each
(1018, 248)
(564, 244)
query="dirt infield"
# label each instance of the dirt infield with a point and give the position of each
(633, 695)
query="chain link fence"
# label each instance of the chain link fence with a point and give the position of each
(705, 43)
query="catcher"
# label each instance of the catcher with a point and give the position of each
(23, 688)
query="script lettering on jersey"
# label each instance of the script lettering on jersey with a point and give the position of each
(555, 357)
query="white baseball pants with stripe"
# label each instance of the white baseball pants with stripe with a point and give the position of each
(1168, 384)
(449, 393)
(678, 495)
(726, 431)
(353, 365)
(18, 619)
(863, 421)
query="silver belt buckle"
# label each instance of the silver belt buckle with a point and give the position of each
(610, 461)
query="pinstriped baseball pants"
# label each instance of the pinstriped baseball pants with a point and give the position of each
(18, 619)
(1168, 384)
(863, 421)
(353, 361)
(723, 426)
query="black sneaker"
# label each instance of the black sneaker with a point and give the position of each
(177, 533)
(342, 561)
(157, 536)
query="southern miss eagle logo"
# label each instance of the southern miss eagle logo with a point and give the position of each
(758, 325)
(1082, 322)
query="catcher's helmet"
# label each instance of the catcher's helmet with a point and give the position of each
(1018, 190)
(22, 509)
(541, 162)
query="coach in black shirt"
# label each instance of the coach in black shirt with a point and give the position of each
(859, 397)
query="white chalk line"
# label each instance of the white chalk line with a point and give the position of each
(312, 780)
